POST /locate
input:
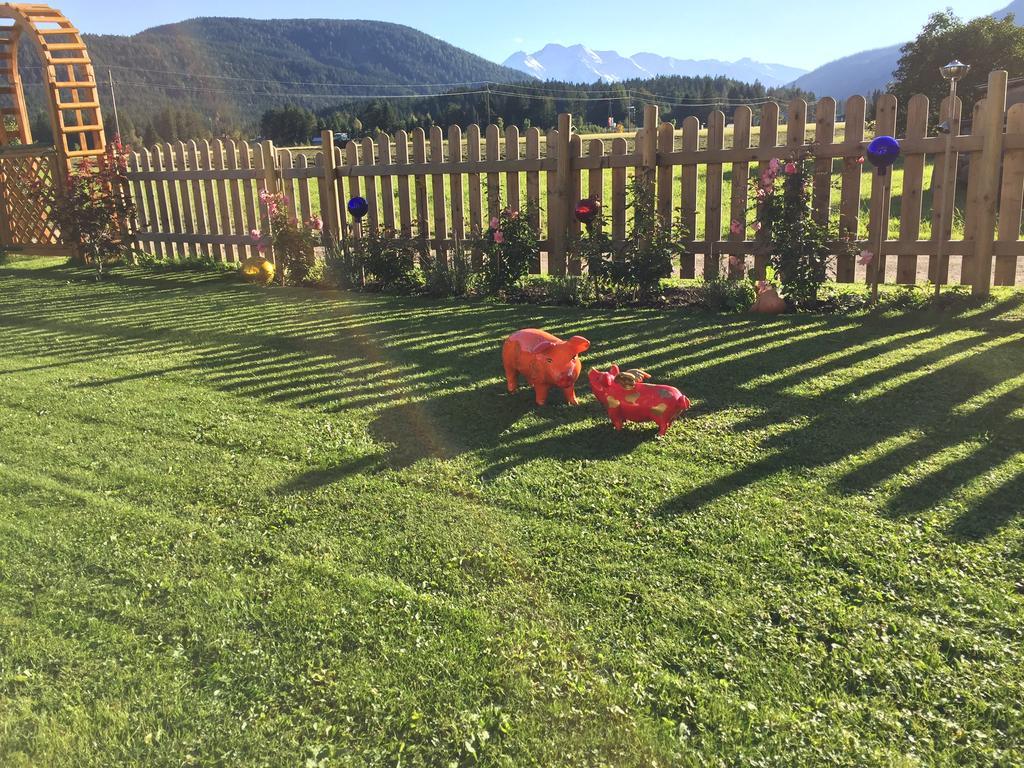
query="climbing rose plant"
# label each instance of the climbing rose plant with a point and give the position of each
(798, 247)
(95, 209)
(294, 243)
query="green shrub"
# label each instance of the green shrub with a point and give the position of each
(723, 295)
(798, 247)
(573, 291)
(379, 259)
(446, 275)
(651, 247)
(510, 244)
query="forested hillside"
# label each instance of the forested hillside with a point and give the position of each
(219, 76)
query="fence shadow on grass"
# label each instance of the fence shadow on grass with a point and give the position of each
(427, 375)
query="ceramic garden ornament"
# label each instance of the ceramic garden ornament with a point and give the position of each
(258, 270)
(545, 361)
(768, 301)
(627, 398)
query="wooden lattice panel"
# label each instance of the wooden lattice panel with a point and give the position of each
(71, 82)
(26, 188)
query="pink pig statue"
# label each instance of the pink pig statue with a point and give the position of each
(627, 398)
(545, 361)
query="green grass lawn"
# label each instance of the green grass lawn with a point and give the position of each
(250, 527)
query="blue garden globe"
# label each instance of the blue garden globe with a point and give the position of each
(358, 207)
(883, 151)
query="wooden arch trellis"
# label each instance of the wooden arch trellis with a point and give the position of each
(70, 80)
(27, 169)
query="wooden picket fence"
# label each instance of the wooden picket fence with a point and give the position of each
(202, 199)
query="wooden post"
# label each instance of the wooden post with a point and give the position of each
(558, 223)
(329, 205)
(990, 164)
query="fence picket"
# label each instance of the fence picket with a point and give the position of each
(367, 158)
(944, 191)
(458, 203)
(437, 183)
(224, 226)
(713, 197)
(387, 186)
(170, 166)
(354, 185)
(666, 143)
(302, 167)
(619, 148)
(533, 187)
(513, 200)
(161, 196)
(475, 198)
(555, 218)
(404, 198)
(824, 134)
(493, 179)
(1011, 198)
(739, 188)
(247, 161)
(595, 176)
(197, 196)
(153, 214)
(209, 198)
(575, 228)
(239, 229)
(973, 198)
(688, 192)
(913, 189)
(419, 156)
(849, 198)
(187, 222)
(768, 140)
(885, 125)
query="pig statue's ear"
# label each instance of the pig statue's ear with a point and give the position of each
(614, 370)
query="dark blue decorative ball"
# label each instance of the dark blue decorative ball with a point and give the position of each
(358, 207)
(883, 151)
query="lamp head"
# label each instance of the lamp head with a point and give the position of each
(955, 70)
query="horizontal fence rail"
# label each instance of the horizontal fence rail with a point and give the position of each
(202, 198)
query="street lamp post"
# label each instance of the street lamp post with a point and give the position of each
(953, 72)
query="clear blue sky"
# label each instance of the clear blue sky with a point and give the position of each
(802, 34)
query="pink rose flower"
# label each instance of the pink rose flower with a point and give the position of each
(757, 226)
(316, 223)
(790, 168)
(499, 238)
(495, 223)
(736, 228)
(773, 165)
(254, 235)
(866, 257)
(736, 263)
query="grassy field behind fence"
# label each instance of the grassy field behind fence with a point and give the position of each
(246, 527)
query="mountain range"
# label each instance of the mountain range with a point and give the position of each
(868, 71)
(579, 64)
(240, 67)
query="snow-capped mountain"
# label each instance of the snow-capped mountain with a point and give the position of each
(579, 64)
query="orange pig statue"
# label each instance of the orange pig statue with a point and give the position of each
(545, 361)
